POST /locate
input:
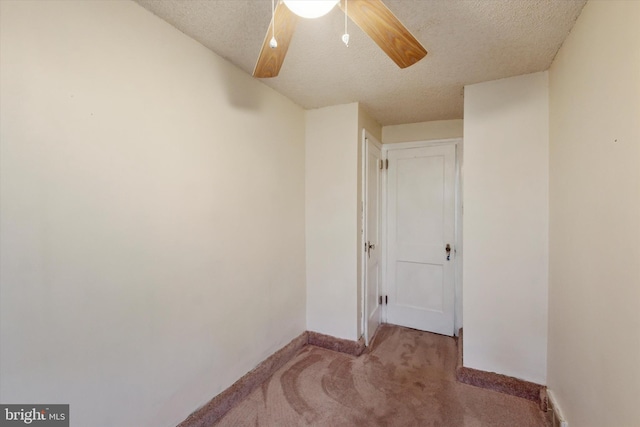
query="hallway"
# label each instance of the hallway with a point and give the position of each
(407, 378)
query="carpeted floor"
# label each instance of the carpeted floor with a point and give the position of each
(407, 378)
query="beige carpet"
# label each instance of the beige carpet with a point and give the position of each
(407, 378)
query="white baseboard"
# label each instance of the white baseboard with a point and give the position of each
(558, 418)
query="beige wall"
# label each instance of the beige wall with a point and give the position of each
(152, 215)
(594, 301)
(505, 226)
(331, 220)
(424, 131)
(365, 121)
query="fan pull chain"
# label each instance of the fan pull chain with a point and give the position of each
(345, 36)
(273, 43)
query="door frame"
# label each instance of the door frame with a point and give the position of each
(458, 248)
(366, 136)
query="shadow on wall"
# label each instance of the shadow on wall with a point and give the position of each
(240, 95)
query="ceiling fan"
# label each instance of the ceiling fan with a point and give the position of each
(372, 16)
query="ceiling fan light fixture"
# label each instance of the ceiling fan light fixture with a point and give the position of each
(372, 16)
(310, 8)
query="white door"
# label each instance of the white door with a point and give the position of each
(420, 221)
(372, 211)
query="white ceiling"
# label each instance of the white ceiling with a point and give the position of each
(468, 42)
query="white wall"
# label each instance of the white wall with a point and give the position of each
(423, 131)
(505, 225)
(152, 215)
(332, 220)
(594, 294)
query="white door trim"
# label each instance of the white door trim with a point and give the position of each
(458, 143)
(366, 136)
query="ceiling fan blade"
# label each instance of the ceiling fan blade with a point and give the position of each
(375, 19)
(271, 59)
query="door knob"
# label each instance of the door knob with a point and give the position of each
(369, 247)
(448, 251)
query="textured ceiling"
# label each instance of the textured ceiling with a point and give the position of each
(468, 42)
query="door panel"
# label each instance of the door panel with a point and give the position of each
(414, 199)
(373, 265)
(421, 215)
(420, 286)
